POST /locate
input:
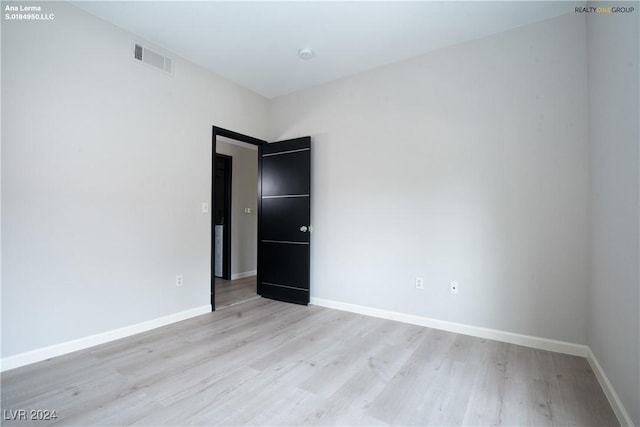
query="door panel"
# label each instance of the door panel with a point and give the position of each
(285, 294)
(285, 173)
(285, 205)
(286, 265)
(281, 215)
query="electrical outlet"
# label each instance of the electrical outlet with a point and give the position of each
(454, 287)
(179, 280)
(419, 283)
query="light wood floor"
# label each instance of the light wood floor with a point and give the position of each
(270, 363)
(230, 292)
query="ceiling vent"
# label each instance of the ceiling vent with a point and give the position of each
(153, 59)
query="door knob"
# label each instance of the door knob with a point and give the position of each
(304, 228)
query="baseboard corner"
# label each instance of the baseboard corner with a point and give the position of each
(614, 400)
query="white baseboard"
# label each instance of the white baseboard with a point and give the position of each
(614, 400)
(243, 275)
(476, 331)
(45, 353)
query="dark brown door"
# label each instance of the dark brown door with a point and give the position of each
(284, 220)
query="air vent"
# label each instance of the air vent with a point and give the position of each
(153, 59)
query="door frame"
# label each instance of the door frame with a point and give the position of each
(226, 238)
(218, 131)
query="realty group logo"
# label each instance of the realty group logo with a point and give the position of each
(604, 9)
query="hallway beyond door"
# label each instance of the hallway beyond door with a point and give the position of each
(232, 292)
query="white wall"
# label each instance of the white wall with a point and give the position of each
(105, 163)
(466, 164)
(614, 320)
(244, 194)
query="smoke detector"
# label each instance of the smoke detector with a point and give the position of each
(306, 53)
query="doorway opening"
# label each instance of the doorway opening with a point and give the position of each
(235, 218)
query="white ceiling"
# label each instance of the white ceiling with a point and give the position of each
(256, 44)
